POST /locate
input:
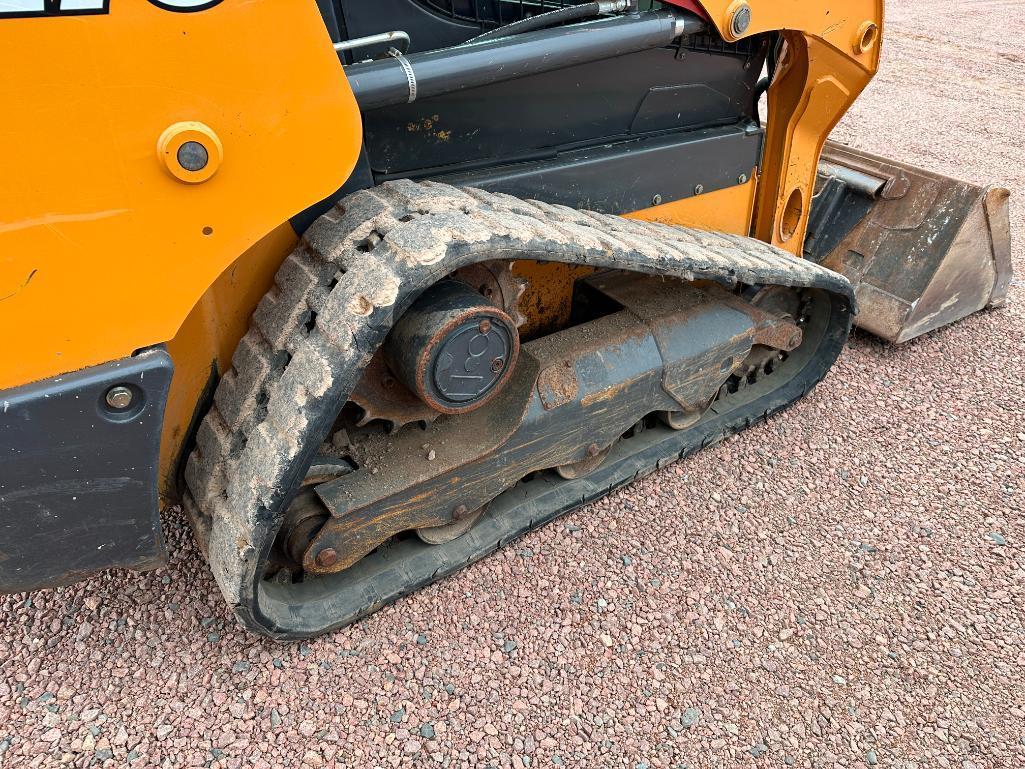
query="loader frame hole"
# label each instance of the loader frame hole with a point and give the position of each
(792, 213)
(866, 37)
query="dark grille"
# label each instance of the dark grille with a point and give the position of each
(707, 43)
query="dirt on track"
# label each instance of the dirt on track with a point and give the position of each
(841, 586)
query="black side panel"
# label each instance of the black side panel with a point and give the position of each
(327, 10)
(623, 177)
(533, 117)
(78, 480)
(614, 135)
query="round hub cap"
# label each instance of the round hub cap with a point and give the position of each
(471, 359)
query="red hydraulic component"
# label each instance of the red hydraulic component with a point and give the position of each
(691, 5)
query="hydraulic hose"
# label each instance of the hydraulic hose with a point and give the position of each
(551, 18)
(761, 87)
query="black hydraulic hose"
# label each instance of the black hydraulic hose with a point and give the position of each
(760, 88)
(541, 21)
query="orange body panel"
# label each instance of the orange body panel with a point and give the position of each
(102, 250)
(727, 210)
(209, 335)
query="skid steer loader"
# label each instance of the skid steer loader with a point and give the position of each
(373, 288)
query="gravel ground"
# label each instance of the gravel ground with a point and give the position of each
(856, 600)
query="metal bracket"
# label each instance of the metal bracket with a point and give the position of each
(397, 37)
(406, 68)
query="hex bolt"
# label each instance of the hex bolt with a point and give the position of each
(497, 364)
(740, 20)
(593, 450)
(742, 179)
(327, 557)
(656, 200)
(698, 189)
(193, 156)
(119, 397)
(485, 326)
(460, 512)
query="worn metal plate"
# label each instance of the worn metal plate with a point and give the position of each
(925, 251)
(78, 480)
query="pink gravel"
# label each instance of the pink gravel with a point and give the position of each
(840, 587)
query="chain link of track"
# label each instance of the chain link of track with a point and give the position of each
(334, 300)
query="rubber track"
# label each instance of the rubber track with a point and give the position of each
(334, 300)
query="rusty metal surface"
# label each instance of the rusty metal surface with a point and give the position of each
(776, 311)
(573, 395)
(998, 219)
(462, 521)
(390, 490)
(417, 491)
(700, 348)
(680, 322)
(546, 299)
(557, 385)
(930, 250)
(583, 467)
(497, 283)
(381, 396)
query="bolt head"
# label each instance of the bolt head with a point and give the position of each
(119, 397)
(741, 20)
(656, 200)
(497, 364)
(327, 557)
(193, 156)
(460, 512)
(485, 326)
(593, 450)
(742, 179)
(698, 189)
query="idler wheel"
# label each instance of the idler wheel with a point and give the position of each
(582, 468)
(462, 522)
(452, 348)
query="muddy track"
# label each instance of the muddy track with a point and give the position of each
(336, 297)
